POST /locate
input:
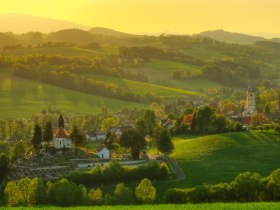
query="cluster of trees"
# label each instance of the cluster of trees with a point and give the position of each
(231, 72)
(107, 65)
(73, 81)
(204, 120)
(183, 75)
(247, 187)
(31, 192)
(146, 53)
(46, 136)
(114, 172)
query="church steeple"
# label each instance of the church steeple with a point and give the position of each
(61, 122)
(250, 87)
(251, 104)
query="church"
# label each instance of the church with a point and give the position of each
(250, 108)
(61, 138)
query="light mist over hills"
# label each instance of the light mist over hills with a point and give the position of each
(61, 30)
(21, 23)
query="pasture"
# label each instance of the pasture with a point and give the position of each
(20, 98)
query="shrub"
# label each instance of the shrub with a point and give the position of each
(114, 172)
(123, 194)
(109, 200)
(145, 192)
(95, 196)
(65, 193)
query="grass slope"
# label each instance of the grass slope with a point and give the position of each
(159, 72)
(221, 157)
(215, 206)
(142, 88)
(21, 98)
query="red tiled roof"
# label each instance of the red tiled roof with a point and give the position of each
(61, 133)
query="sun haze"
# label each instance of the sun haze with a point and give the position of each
(150, 16)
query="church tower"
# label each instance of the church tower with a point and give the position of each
(251, 99)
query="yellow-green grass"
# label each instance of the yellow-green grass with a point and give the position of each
(212, 206)
(157, 70)
(160, 72)
(20, 98)
(190, 84)
(204, 52)
(142, 88)
(220, 158)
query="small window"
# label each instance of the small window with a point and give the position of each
(251, 94)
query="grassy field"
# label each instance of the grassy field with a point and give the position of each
(204, 52)
(21, 98)
(159, 72)
(215, 206)
(221, 157)
(142, 88)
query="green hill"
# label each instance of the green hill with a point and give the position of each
(220, 158)
(21, 98)
(71, 36)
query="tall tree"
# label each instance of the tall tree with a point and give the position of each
(48, 132)
(77, 137)
(61, 121)
(145, 192)
(108, 123)
(37, 137)
(4, 167)
(150, 121)
(135, 141)
(164, 143)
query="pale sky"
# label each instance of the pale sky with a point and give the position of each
(151, 16)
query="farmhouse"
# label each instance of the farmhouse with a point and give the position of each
(96, 136)
(103, 152)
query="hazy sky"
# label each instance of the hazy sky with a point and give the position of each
(188, 16)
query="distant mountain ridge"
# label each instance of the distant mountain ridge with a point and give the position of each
(108, 32)
(234, 38)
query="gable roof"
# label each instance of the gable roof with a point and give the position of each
(99, 149)
(61, 133)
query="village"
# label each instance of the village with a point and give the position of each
(60, 156)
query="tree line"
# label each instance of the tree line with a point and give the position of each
(247, 187)
(76, 82)
(32, 192)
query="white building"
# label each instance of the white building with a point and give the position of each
(103, 152)
(96, 136)
(61, 139)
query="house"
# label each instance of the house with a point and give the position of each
(167, 124)
(96, 136)
(61, 138)
(103, 152)
(118, 131)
